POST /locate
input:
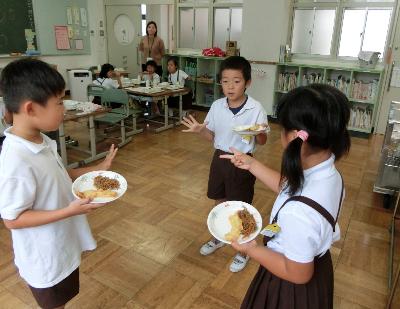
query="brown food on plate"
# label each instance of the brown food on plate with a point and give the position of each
(249, 224)
(95, 193)
(105, 183)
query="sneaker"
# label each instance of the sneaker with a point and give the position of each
(211, 246)
(239, 262)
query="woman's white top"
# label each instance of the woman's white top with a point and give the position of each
(108, 83)
(305, 233)
(33, 177)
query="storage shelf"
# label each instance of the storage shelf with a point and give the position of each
(361, 101)
(359, 129)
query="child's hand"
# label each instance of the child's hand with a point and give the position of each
(192, 125)
(117, 74)
(106, 164)
(244, 248)
(239, 159)
(82, 206)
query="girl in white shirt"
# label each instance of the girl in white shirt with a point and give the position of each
(106, 75)
(153, 79)
(296, 267)
(176, 76)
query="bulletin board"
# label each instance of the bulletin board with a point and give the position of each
(17, 26)
(52, 17)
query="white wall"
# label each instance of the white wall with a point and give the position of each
(264, 29)
(159, 14)
(97, 45)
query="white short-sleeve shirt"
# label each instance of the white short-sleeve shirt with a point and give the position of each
(179, 76)
(154, 79)
(32, 177)
(108, 83)
(221, 121)
(305, 233)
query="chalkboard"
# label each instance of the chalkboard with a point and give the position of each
(15, 17)
(51, 14)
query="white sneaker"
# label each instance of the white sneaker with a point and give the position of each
(239, 262)
(211, 246)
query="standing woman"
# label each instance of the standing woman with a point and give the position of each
(152, 47)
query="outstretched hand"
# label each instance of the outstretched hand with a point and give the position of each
(192, 124)
(106, 164)
(239, 159)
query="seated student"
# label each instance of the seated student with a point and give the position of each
(48, 225)
(150, 73)
(177, 76)
(5, 121)
(105, 77)
(154, 79)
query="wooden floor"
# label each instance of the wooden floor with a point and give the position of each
(149, 240)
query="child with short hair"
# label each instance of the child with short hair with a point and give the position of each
(177, 76)
(150, 74)
(227, 182)
(48, 226)
(106, 75)
(296, 267)
(154, 79)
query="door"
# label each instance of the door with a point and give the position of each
(123, 37)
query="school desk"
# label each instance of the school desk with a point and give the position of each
(163, 97)
(77, 117)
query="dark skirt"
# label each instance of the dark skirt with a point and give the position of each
(59, 294)
(268, 291)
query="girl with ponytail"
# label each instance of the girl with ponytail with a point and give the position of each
(295, 262)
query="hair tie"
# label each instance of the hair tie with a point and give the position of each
(302, 134)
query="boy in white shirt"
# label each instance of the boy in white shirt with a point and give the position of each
(152, 80)
(49, 229)
(229, 182)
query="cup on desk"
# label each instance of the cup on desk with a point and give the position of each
(147, 83)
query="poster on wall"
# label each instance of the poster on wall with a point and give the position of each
(62, 39)
(79, 44)
(83, 17)
(76, 16)
(69, 16)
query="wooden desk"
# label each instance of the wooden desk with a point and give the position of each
(76, 116)
(163, 97)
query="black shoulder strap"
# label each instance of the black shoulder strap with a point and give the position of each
(316, 206)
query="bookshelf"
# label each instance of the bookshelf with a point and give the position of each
(204, 73)
(362, 87)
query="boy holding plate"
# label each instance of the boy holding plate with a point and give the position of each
(227, 182)
(49, 228)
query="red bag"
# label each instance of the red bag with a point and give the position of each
(213, 52)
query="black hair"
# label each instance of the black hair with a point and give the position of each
(174, 60)
(152, 63)
(105, 68)
(323, 112)
(29, 79)
(151, 23)
(236, 63)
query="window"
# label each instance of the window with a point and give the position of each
(227, 26)
(143, 10)
(360, 25)
(312, 31)
(193, 27)
(364, 29)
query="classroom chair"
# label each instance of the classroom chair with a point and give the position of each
(96, 91)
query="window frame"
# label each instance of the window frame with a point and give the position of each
(212, 5)
(340, 6)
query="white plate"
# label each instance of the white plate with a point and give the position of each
(218, 220)
(85, 182)
(244, 130)
(163, 84)
(70, 104)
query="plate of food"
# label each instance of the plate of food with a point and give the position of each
(100, 186)
(234, 220)
(163, 84)
(70, 104)
(252, 129)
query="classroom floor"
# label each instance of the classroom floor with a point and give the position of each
(149, 240)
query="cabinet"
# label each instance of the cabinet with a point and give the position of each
(361, 86)
(204, 71)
